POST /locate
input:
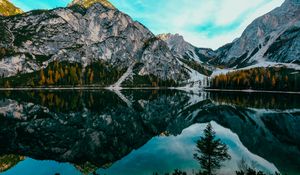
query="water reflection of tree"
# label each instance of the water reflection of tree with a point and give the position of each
(67, 101)
(246, 169)
(211, 152)
(257, 100)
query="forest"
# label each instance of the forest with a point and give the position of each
(271, 78)
(65, 74)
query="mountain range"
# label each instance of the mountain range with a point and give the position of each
(273, 37)
(90, 42)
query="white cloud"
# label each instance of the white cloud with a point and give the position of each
(204, 23)
(232, 9)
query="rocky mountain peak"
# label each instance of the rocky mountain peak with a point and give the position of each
(184, 49)
(8, 9)
(261, 40)
(88, 3)
(169, 37)
(175, 42)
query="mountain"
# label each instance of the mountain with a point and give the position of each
(93, 43)
(192, 56)
(273, 37)
(88, 3)
(183, 49)
(78, 45)
(8, 9)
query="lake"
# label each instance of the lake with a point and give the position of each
(142, 132)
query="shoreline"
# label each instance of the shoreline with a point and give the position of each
(81, 88)
(251, 91)
(146, 88)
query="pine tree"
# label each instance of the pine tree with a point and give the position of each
(73, 74)
(7, 84)
(211, 152)
(31, 82)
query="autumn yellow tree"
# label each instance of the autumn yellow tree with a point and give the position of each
(57, 76)
(91, 77)
(50, 77)
(42, 77)
(273, 81)
(256, 79)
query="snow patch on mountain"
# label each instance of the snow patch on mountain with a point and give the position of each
(196, 79)
(264, 64)
(128, 73)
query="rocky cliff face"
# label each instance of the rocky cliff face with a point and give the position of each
(8, 9)
(272, 37)
(75, 34)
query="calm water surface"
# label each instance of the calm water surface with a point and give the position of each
(139, 132)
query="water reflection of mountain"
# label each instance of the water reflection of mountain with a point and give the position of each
(272, 135)
(101, 127)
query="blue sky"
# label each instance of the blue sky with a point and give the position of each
(204, 23)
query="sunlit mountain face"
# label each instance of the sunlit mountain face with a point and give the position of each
(88, 3)
(8, 9)
(144, 131)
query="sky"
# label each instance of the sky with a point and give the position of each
(204, 23)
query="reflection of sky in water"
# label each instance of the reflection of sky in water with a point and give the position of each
(160, 154)
(164, 154)
(35, 167)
